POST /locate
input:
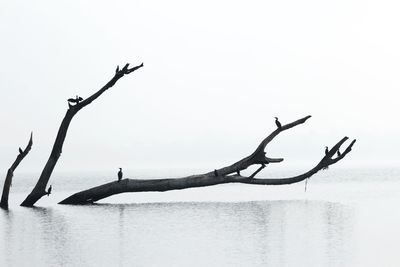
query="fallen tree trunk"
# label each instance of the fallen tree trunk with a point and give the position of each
(40, 188)
(229, 174)
(10, 173)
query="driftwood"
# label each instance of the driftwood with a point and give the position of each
(10, 173)
(229, 174)
(74, 106)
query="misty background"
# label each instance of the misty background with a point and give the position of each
(215, 74)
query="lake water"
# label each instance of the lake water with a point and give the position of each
(346, 218)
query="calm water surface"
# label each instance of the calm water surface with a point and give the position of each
(346, 218)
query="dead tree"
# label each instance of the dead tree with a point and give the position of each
(75, 105)
(10, 173)
(229, 174)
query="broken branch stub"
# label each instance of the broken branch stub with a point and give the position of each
(10, 173)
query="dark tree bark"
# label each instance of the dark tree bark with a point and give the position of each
(10, 173)
(229, 174)
(40, 189)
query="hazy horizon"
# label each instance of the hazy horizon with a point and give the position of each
(215, 74)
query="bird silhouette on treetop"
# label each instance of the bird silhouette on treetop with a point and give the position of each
(75, 100)
(120, 174)
(49, 191)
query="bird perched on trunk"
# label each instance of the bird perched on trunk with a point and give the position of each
(326, 154)
(278, 124)
(120, 174)
(48, 191)
(75, 100)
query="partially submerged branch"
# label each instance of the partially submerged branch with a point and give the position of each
(326, 161)
(40, 188)
(10, 173)
(219, 176)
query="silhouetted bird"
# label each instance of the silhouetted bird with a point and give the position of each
(278, 124)
(48, 191)
(75, 100)
(326, 154)
(215, 173)
(20, 151)
(120, 174)
(338, 153)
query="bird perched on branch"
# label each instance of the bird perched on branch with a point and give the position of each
(49, 191)
(278, 124)
(75, 100)
(120, 174)
(326, 154)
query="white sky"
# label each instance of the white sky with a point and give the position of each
(215, 75)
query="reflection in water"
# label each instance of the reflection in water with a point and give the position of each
(6, 230)
(337, 247)
(121, 232)
(37, 236)
(262, 233)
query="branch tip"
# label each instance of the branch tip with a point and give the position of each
(125, 68)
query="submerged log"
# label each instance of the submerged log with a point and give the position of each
(74, 106)
(229, 174)
(10, 173)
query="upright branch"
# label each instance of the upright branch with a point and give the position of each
(10, 173)
(74, 106)
(229, 174)
(259, 155)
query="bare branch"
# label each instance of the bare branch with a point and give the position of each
(259, 156)
(269, 138)
(10, 173)
(118, 75)
(325, 162)
(257, 171)
(40, 188)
